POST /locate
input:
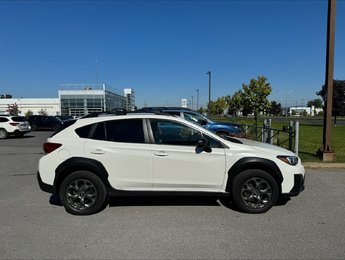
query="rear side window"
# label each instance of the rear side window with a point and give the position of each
(84, 131)
(19, 119)
(3, 119)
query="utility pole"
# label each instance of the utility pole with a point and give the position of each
(286, 107)
(327, 152)
(209, 86)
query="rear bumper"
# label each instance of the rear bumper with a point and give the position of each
(44, 186)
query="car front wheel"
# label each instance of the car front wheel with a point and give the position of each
(82, 193)
(254, 191)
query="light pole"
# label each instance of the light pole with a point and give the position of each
(96, 70)
(192, 102)
(197, 99)
(209, 86)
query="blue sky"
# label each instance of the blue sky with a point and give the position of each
(163, 49)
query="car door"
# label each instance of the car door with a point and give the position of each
(176, 162)
(120, 145)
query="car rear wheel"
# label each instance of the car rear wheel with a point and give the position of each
(254, 191)
(18, 134)
(82, 193)
(3, 134)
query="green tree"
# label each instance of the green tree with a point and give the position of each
(255, 95)
(13, 110)
(202, 110)
(338, 97)
(275, 109)
(28, 113)
(317, 103)
(234, 103)
(217, 107)
(304, 113)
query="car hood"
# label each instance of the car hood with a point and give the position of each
(265, 147)
(218, 125)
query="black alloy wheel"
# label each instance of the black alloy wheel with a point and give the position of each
(82, 193)
(254, 191)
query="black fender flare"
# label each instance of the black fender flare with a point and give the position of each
(254, 163)
(79, 163)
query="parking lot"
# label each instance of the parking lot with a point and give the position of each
(35, 226)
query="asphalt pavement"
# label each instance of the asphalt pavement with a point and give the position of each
(35, 226)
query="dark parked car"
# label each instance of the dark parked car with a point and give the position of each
(220, 128)
(40, 122)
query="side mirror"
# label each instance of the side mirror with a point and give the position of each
(202, 122)
(202, 145)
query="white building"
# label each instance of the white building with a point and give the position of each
(184, 102)
(81, 99)
(308, 111)
(74, 100)
(51, 106)
(130, 99)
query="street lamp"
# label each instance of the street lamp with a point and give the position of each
(192, 102)
(197, 99)
(209, 86)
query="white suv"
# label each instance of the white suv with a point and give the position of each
(149, 154)
(13, 125)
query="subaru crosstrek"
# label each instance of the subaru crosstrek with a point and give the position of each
(148, 154)
(13, 125)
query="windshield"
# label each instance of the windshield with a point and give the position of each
(196, 118)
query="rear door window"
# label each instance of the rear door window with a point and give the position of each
(125, 131)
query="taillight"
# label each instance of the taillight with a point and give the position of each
(49, 147)
(14, 124)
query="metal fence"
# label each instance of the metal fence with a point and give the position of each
(286, 137)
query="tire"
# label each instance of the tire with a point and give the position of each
(56, 128)
(3, 134)
(254, 191)
(33, 127)
(18, 134)
(82, 193)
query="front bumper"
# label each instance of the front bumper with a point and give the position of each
(44, 186)
(298, 186)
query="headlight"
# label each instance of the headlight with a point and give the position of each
(291, 160)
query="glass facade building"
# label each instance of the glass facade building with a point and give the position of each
(81, 99)
(130, 99)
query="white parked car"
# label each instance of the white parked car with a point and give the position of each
(13, 125)
(146, 154)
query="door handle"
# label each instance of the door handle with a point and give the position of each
(160, 154)
(98, 151)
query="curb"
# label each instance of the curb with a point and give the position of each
(316, 165)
